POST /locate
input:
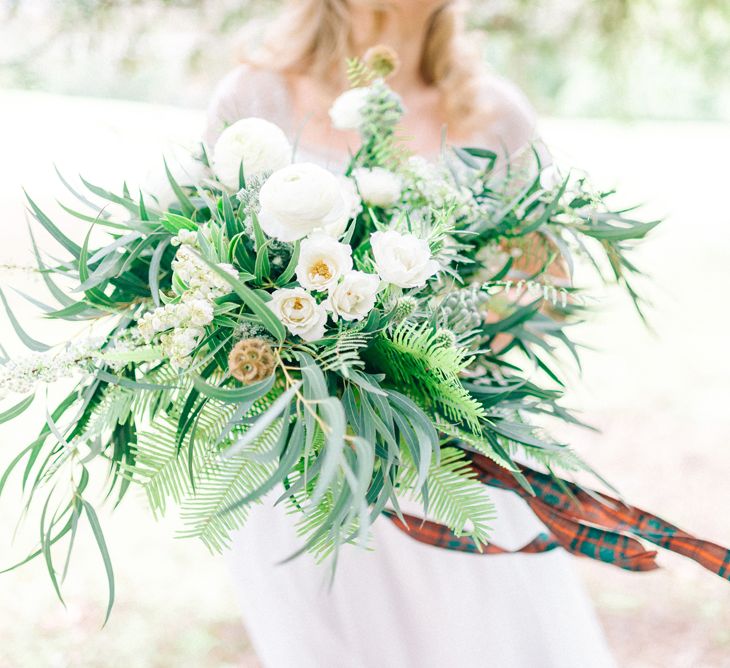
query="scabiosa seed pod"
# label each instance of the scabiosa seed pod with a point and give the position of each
(251, 361)
(382, 60)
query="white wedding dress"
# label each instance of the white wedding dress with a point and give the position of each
(405, 604)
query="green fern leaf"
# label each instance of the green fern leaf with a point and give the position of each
(416, 360)
(219, 485)
(455, 497)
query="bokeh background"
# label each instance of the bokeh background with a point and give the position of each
(635, 91)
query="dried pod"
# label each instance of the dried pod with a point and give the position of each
(251, 361)
(382, 60)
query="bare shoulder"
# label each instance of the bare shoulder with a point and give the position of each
(245, 91)
(512, 121)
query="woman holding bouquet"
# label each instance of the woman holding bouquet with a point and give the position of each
(403, 603)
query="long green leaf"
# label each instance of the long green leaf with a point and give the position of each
(99, 536)
(29, 341)
(16, 410)
(237, 394)
(253, 301)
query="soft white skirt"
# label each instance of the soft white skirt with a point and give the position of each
(409, 605)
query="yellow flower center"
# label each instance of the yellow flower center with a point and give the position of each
(321, 268)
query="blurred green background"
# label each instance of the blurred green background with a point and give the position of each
(663, 59)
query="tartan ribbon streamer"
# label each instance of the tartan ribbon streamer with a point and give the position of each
(583, 522)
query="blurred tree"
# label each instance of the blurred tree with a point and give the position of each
(631, 58)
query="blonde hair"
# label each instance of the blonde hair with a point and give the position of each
(317, 36)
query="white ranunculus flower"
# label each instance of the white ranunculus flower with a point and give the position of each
(299, 199)
(346, 110)
(260, 145)
(402, 259)
(299, 312)
(354, 297)
(378, 186)
(322, 261)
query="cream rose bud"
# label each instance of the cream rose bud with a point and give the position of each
(378, 186)
(299, 312)
(299, 199)
(260, 145)
(354, 297)
(346, 112)
(322, 261)
(402, 259)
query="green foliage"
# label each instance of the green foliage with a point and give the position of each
(414, 357)
(454, 498)
(221, 483)
(207, 397)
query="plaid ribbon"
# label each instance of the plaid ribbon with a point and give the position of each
(583, 522)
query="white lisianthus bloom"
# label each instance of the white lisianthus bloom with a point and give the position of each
(378, 186)
(346, 112)
(322, 261)
(354, 297)
(299, 199)
(402, 259)
(299, 312)
(260, 145)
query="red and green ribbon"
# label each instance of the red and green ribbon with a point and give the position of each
(584, 522)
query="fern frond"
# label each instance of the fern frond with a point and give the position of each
(159, 466)
(345, 353)
(417, 360)
(358, 73)
(455, 497)
(219, 485)
(163, 467)
(112, 409)
(390, 151)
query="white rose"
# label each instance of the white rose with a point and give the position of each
(346, 110)
(354, 297)
(299, 312)
(402, 259)
(260, 145)
(299, 199)
(378, 186)
(322, 261)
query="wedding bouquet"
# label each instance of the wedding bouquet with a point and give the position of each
(335, 343)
